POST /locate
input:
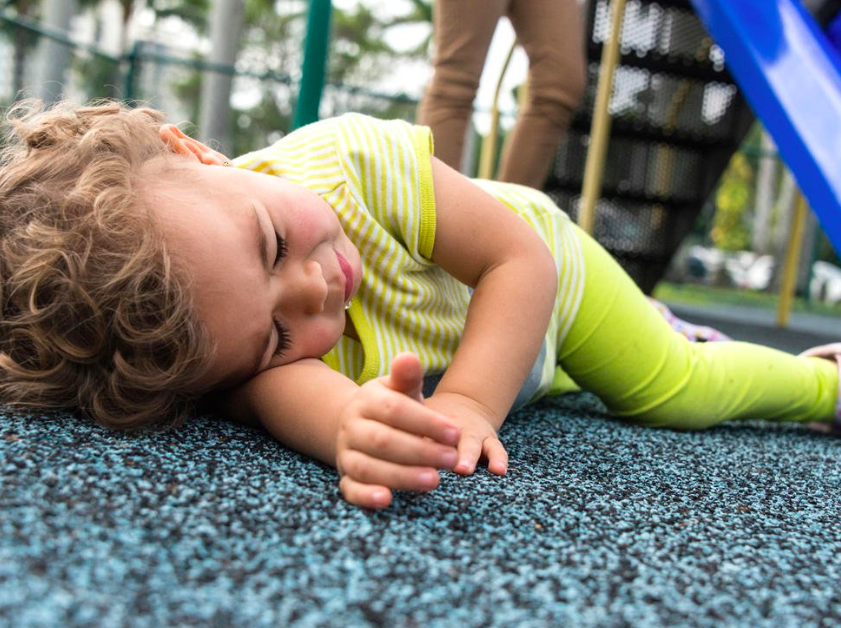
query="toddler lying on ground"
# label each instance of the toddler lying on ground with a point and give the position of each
(314, 287)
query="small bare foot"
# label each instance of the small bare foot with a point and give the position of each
(830, 352)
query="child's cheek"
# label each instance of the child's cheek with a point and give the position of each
(325, 337)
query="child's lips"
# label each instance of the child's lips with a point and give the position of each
(348, 273)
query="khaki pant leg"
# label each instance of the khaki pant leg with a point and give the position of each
(462, 31)
(552, 34)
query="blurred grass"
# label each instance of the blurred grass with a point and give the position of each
(696, 294)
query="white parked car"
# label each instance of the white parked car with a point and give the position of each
(749, 270)
(826, 282)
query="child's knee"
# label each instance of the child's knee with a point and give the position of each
(674, 418)
(555, 88)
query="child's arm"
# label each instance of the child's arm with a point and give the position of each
(484, 244)
(379, 436)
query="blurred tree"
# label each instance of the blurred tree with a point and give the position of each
(22, 41)
(215, 121)
(359, 53)
(54, 56)
(766, 186)
(271, 44)
(732, 198)
(127, 7)
(99, 77)
(261, 125)
(96, 76)
(194, 12)
(420, 13)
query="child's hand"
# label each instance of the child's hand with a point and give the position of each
(478, 435)
(389, 440)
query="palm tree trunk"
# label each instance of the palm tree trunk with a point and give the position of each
(765, 183)
(21, 43)
(784, 212)
(215, 107)
(54, 58)
(128, 13)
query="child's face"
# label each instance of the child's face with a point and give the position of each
(272, 268)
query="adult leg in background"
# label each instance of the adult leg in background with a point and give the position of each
(552, 34)
(620, 348)
(462, 31)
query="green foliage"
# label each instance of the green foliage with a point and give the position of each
(260, 125)
(732, 198)
(22, 41)
(271, 44)
(421, 13)
(193, 12)
(97, 77)
(359, 53)
(188, 91)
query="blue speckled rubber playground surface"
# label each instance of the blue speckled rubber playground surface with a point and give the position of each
(597, 524)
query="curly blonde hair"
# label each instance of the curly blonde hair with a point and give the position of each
(94, 315)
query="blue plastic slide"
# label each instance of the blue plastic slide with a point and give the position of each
(790, 73)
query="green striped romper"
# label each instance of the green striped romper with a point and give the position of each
(377, 177)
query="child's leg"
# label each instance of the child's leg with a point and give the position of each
(621, 348)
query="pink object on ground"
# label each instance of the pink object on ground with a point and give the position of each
(695, 333)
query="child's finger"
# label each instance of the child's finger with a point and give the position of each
(403, 413)
(368, 470)
(469, 450)
(364, 495)
(387, 443)
(496, 455)
(406, 375)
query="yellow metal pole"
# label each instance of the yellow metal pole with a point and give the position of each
(600, 129)
(487, 156)
(789, 281)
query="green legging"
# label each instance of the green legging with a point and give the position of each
(620, 348)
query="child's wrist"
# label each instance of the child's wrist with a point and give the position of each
(494, 419)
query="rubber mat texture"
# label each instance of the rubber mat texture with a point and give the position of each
(598, 523)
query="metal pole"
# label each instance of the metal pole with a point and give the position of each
(600, 129)
(315, 59)
(789, 281)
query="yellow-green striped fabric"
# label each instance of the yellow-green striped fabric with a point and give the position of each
(377, 177)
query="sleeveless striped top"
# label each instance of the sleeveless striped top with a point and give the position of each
(377, 176)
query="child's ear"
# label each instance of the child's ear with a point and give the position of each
(185, 145)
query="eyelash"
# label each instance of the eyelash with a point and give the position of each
(281, 249)
(282, 339)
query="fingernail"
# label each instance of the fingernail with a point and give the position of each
(427, 478)
(448, 459)
(451, 435)
(465, 465)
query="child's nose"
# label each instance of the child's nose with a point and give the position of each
(306, 289)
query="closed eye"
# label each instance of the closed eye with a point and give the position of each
(281, 249)
(283, 341)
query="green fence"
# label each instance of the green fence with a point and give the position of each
(263, 102)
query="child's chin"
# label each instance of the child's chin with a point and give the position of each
(331, 341)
